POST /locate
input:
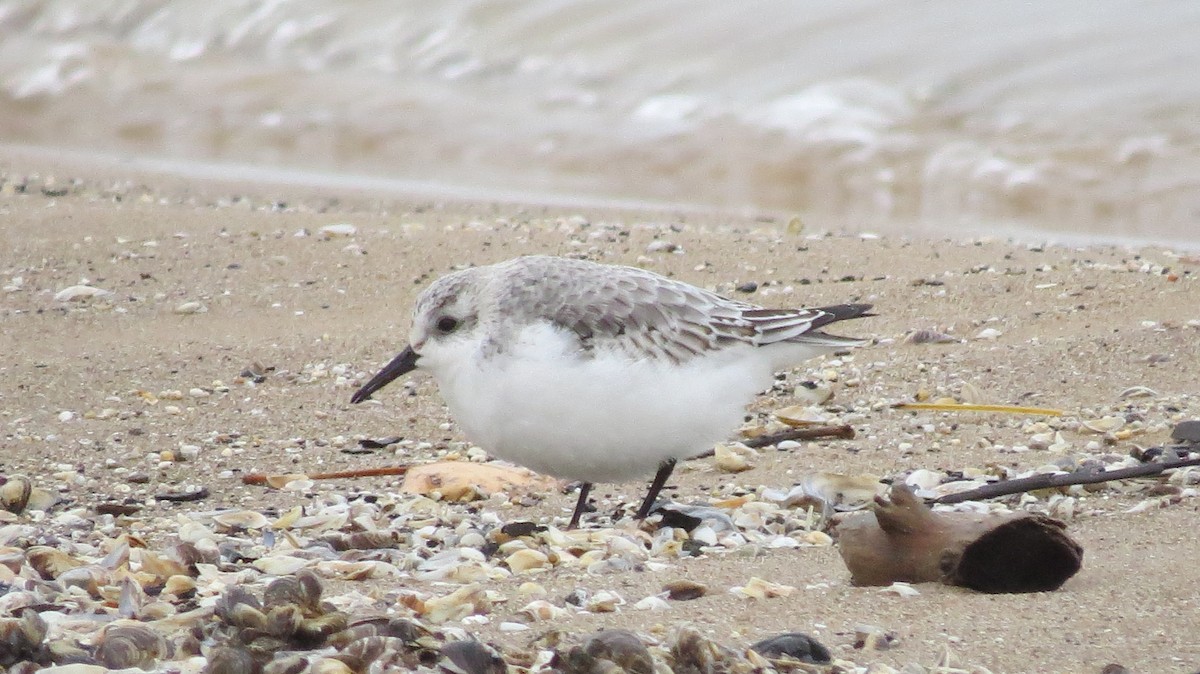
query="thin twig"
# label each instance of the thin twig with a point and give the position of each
(804, 433)
(1045, 481)
(261, 479)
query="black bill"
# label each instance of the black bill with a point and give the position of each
(401, 365)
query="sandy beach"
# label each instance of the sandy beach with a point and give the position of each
(204, 278)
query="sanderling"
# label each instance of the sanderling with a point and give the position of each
(599, 373)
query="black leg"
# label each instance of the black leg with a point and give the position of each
(581, 504)
(660, 479)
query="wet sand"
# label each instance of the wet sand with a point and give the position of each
(1077, 328)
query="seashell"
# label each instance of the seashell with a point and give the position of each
(988, 334)
(622, 648)
(923, 479)
(314, 631)
(122, 645)
(472, 657)
(285, 481)
(801, 415)
(527, 560)
(368, 650)
(284, 620)
(813, 392)
(241, 519)
(191, 307)
(22, 638)
(50, 563)
(79, 292)
(465, 601)
(1138, 392)
(303, 590)
(280, 565)
(832, 490)
(339, 229)
(540, 610)
(691, 652)
(1103, 425)
(364, 570)
(871, 638)
(900, 589)
(228, 660)
(757, 588)
(730, 461)
(795, 646)
(931, 337)
(330, 666)
(363, 540)
(75, 668)
(15, 493)
(685, 590)
(288, 664)
(704, 535)
(603, 602)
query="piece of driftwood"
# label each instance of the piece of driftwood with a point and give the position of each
(1046, 480)
(903, 540)
(803, 433)
(262, 479)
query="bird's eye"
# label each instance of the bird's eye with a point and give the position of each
(447, 324)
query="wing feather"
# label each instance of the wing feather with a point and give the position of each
(646, 315)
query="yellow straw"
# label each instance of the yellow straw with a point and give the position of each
(963, 407)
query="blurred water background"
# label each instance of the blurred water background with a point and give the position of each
(1076, 118)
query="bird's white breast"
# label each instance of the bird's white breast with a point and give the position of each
(603, 417)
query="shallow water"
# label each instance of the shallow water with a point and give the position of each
(1077, 118)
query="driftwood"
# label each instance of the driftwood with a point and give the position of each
(262, 479)
(903, 540)
(842, 431)
(1045, 481)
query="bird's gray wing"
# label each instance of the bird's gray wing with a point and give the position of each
(649, 316)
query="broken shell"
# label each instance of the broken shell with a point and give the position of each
(620, 647)
(871, 638)
(730, 461)
(923, 478)
(192, 307)
(180, 586)
(757, 588)
(794, 645)
(465, 601)
(339, 229)
(1104, 425)
(472, 657)
(801, 415)
(931, 337)
(603, 602)
(526, 560)
(684, 590)
(50, 563)
(1138, 392)
(540, 610)
(79, 292)
(832, 490)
